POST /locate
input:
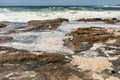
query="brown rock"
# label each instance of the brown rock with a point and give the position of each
(34, 25)
(45, 25)
(90, 19)
(83, 37)
(2, 25)
(5, 38)
(37, 67)
(9, 50)
(108, 21)
(111, 21)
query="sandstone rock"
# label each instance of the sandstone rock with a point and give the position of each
(45, 25)
(37, 67)
(83, 37)
(35, 25)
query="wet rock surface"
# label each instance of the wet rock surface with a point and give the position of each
(27, 66)
(9, 50)
(5, 39)
(46, 24)
(82, 38)
(2, 25)
(95, 53)
(98, 47)
(37, 25)
(108, 21)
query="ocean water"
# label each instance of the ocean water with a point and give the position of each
(26, 13)
(52, 40)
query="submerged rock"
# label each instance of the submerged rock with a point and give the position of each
(9, 50)
(11, 31)
(5, 38)
(2, 25)
(109, 21)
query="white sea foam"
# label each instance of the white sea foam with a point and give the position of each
(49, 41)
(71, 26)
(24, 16)
(4, 10)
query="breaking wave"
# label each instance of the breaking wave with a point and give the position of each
(50, 12)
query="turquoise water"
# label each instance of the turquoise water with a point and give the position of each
(52, 40)
(60, 8)
(26, 13)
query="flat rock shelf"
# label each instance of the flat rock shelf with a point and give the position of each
(59, 49)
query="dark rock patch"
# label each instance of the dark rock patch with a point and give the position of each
(7, 50)
(45, 67)
(116, 68)
(108, 72)
(2, 25)
(11, 31)
(116, 64)
(5, 39)
(108, 21)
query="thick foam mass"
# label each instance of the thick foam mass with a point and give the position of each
(50, 41)
(69, 14)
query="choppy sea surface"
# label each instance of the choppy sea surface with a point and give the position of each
(52, 40)
(26, 13)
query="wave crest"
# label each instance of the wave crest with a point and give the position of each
(5, 10)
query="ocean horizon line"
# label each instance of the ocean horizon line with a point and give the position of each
(50, 5)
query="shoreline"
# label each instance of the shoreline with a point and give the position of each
(67, 51)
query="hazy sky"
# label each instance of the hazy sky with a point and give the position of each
(59, 2)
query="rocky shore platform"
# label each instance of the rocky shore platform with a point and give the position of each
(95, 52)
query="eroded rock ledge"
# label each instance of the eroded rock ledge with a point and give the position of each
(45, 24)
(82, 38)
(104, 43)
(109, 21)
(46, 66)
(37, 25)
